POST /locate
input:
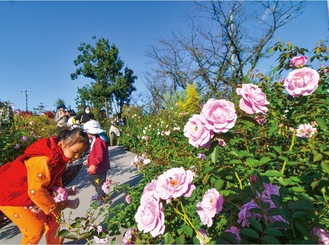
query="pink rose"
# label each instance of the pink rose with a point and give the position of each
(298, 61)
(211, 204)
(253, 99)
(130, 237)
(302, 81)
(60, 194)
(149, 215)
(219, 115)
(305, 131)
(128, 199)
(174, 183)
(322, 234)
(198, 134)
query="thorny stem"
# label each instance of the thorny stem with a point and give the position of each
(240, 182)
(291, 146)
(188, 221)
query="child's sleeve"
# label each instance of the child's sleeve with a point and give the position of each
(38, 178)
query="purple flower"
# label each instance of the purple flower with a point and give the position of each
(24, 138)
(197, 133)
(322, 234)
(244, 213)
(219, 115)
(17, 146)
(253, 99)
(211, 204)
(174, 183)
(236, 232)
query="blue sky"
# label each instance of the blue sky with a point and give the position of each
(39, 41)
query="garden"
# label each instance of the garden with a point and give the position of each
(247, 167)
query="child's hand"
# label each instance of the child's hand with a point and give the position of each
(91, 169)
(85, 162)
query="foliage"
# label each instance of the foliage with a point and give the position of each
(271, 175)
(192, 102)
(26, 129)
(103, 65)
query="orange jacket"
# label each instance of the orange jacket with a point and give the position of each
(27, 180)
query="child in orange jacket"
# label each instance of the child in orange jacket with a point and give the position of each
(26, 184)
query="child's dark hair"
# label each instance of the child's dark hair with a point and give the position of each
(73, 136)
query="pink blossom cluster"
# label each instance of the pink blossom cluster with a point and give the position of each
(217, 116)
(59, 194)
(265, 196)
(253, 100)
(140, 160)
(106, 186)
(173, 183)
(129, 237)
(211, 204)
(305, 131)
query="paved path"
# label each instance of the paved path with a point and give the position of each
(120, 172)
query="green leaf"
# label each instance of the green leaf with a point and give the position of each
(321, 122)
(277, 200)
(270, 240)
(298, 189)
(255, 223)
(215, 153)
(317, 157)
(253, 162)
(235, 161)
(273, 232)
(250, 233)
(188, 231)
(180, 239)
(301, 227)
(168, 239)
(264, 160)
(325, 166)
(219, 184)
(277, 149)
(283, 158)
(273, 173)
(228, 237)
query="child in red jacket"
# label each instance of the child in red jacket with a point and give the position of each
(98, 162)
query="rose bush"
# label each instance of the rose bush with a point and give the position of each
(250, 172)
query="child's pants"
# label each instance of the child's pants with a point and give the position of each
(33, 225)
(97, 180)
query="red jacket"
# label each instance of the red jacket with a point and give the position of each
(99, 156)
(13, 175)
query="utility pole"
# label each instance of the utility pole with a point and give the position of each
(26, 97)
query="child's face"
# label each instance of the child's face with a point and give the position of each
(75, 151)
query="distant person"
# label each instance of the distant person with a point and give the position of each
(61, 118)
(72, 122)
(85, 116)
(26, 185)
(98, 162)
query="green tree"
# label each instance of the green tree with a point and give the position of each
(103, 65)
